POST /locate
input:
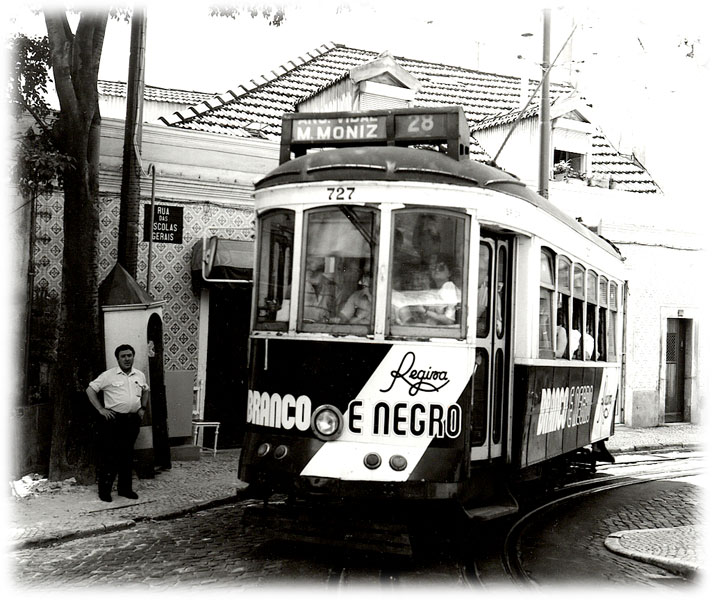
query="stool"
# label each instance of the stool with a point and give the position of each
(199, 426)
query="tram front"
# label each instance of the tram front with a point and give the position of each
(366, 366)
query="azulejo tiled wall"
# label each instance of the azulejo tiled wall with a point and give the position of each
(170, 264)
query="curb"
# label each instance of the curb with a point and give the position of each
(56, 538)
(674, 565)
(659, 447)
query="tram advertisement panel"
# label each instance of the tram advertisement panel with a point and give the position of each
(403, 399)
(563, 408)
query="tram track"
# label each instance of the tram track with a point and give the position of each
(510, 556)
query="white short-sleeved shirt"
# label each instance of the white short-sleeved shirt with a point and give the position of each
(122, 392)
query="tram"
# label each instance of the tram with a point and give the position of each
(425, 328)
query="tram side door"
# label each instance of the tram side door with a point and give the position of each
(493, 328)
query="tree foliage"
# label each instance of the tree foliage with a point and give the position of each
(40, 165)
(273, 14)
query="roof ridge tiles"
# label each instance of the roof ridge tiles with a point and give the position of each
(252, 85)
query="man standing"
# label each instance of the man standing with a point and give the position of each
(125, 399)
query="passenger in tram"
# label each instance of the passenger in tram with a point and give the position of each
(561, 335)
(426, 236)
(444, 312)
(576, 335)
(410, 291)
(588, 342)
(483, 293)
(319, 293)
(357, 308)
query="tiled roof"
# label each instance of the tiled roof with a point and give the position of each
(255, 108)
(154, 94)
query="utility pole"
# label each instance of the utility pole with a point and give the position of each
(131, 168)
(544, 112)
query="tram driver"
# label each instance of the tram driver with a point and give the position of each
(357, 308)
(444, 311)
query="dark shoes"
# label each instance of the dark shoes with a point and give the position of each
(129, 494)
(105, 496)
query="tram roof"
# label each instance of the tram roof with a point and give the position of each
(392, 163)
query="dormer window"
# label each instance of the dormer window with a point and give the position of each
(383, 83)
(378, 84)
(571, 141)
(569, 165)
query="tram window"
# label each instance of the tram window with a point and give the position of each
(601, 337)
(576, 338)
(428, 266)
(579, 291)
(602, 312)
(483, 290)
(589, 341)
(340, 251)
(577, 320)
(562, 326)
(500, 309)
(546, 305)
(612, 314)
(592, 287)
(499, 386)
(274, 269)
(563, 285)
(480, 396)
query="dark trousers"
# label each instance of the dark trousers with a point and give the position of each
(116, 441)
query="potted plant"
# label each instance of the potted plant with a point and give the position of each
(564, 171)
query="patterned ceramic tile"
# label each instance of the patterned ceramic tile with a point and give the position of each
(170, 277)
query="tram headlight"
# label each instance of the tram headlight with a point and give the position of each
(327, 422)
(263, 449)
(398, 462)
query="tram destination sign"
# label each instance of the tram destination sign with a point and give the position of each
(369, 128)
(167, 224)
(340, 129)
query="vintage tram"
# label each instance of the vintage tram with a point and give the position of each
(425, 327)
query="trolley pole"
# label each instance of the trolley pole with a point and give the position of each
(545, 116)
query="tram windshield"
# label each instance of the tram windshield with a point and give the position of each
(427, 274)
(339, 263)
(338, 271)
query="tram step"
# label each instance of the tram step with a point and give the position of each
(330, 529)
(502, 505)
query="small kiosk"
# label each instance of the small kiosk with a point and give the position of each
(131, 316)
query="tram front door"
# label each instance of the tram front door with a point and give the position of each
(491, 379)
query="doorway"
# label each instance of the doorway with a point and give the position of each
(226, 368)
(675, 370)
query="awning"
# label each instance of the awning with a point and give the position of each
(226, 262)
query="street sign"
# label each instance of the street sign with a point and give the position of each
(167, 223)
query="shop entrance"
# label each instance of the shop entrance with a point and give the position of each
(226, 369)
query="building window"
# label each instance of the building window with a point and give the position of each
(571, 165)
